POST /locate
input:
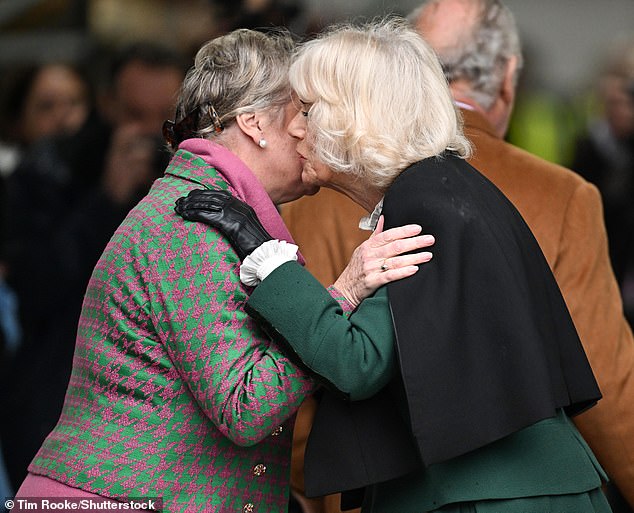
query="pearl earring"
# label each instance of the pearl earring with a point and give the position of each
(262, 143)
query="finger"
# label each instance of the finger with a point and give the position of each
(398, 274)
(398, 262)
(208, 194)
(203, 204)
(197, 214)
(180, 205)
(401, 246)
(195, 193)
(384, 277)
(393, 234)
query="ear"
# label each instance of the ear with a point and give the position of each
(500, 112)
(507, 91)
(249, 123)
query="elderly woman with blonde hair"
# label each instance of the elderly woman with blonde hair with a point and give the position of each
(451, 389)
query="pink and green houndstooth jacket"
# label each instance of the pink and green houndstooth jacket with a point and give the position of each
(175, 392)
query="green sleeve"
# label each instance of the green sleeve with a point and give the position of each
(354, 354)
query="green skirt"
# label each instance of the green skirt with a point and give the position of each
(593, 501)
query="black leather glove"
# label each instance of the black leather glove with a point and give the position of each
(234, 218)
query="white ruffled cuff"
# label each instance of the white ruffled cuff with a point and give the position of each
(265, 259)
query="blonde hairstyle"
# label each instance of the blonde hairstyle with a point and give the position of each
(242, 71)
(380, 101)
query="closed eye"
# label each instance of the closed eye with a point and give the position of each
(305, 108)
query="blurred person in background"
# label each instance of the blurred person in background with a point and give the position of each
(256, 14)
(43, 104)
(478, 43)
(39, 102)
(604, 155)
(42, 101)
(64, 202)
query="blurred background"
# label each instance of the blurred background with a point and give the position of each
(565, 40)
(566, 44)
(65, 184)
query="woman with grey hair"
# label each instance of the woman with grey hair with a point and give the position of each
(176, 395)
(449, 390)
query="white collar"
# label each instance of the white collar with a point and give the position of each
(369, 222)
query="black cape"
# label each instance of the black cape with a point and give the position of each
(486, 345)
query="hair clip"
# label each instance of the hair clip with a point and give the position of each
(175, 133)
(215, 118)
(169, 134)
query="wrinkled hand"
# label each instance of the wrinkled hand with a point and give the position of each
(379, 260)
(234, 218)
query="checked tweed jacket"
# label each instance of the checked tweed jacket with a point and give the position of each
(175, 392)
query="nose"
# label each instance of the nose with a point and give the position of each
(297, 127)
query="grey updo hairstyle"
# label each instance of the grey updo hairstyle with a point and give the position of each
(242, 71)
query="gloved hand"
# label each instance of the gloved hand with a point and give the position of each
(234, 218)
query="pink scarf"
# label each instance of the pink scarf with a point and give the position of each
(247, 186)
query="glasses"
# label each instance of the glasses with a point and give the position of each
(186, 128)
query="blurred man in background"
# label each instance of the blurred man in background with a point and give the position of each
(604, 155)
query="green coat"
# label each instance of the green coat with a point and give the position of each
(356, 354)
(175, 392)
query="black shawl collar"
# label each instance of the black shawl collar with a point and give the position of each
(485, 341)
